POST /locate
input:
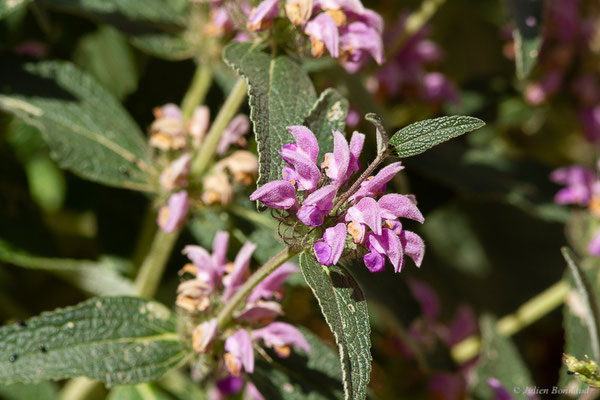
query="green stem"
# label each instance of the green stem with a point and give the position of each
(240, 295)
(209, 145)
(155, 262)
(414, 22)
(144, 240)
(525, 315)
(197, 91)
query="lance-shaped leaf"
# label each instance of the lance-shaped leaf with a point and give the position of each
(281, 94)
(500, 360)
(87, 130)
(527, 34)
(327, 114)
(314, 376)
(118, 340)
(95, 277)
(345, 310)
(30, 391)
(421, 136)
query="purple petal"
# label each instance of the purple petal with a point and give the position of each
(171, 111)
(254, 312)
(230, 385)
(426, 297)
(370, 18)
(358, 36)
(199, 124)
(209, 272)
(272, 284)
(252, 393)
(281, 334)
(276, 194)
(437, 88)
(266, 11)
(317, 205)
(237, 128)
(307, 171)
(500, 393)
(387, 244)
(240, 265)
(240, 346)
(219, 250)
(330, 251)
(323, 29)
(376, 185)
(463, 325)
(579, 181)
(594, 245)
(346, 5)
(396, 205)
(356, 145)
(172, 216)
(375, 262)
(306, 141)
(358, 231)
(413, 246)
(337, 163)
(367, 212)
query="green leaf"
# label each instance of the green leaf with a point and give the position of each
(8, 6)
(500, 359)
(106, 55)
(281, 94)
(576, 320)
(314, 376)
(345, 310)
(327, 114)
(421, 136)
(141, 391)
(30, 391)
(118, 340)
(96, 277)
(87, 130)
(528, 33)
(163, 45)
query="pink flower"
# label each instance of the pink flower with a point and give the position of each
(317, 205)
(270, 286)
(330, 250)
(280, 336)
(239, 354)
(580, 181)
(172, 216)
(276, 194)
(237, 128)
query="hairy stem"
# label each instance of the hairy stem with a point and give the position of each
(154, 264)
(197, 91)
(356, 185)
(240, 295)
(211, 141)
(528, 313)
(414, 22)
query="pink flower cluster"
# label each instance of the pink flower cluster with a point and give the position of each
(345, 28)
(310, 193)
(215, 282)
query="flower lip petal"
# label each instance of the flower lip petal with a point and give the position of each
(377, 184)
(307, 171)
(388, 243)
(356, 144)
(266, 10)
(276, 194)
(324, 29)
(240, 265)
(413, 246)
(338, 165)
(240, 345)
(395, 205)
(306, 141)
(281, 334)
(272, 284)
(367, 212)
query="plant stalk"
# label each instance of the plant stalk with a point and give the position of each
(356, 185)
(528, 313)
(240, 295)
(154, 264)
(197, 92)
(209, 145)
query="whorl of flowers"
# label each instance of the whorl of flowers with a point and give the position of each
(344, 28)
(367, 218)
(214, 281)
(176, 140)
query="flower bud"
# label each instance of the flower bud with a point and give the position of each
(299, 11)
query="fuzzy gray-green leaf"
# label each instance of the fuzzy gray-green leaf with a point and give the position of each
(87, 130)
(281, 94)
(345, 310)
(118, 340)
(421, 136)
(500, 359)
